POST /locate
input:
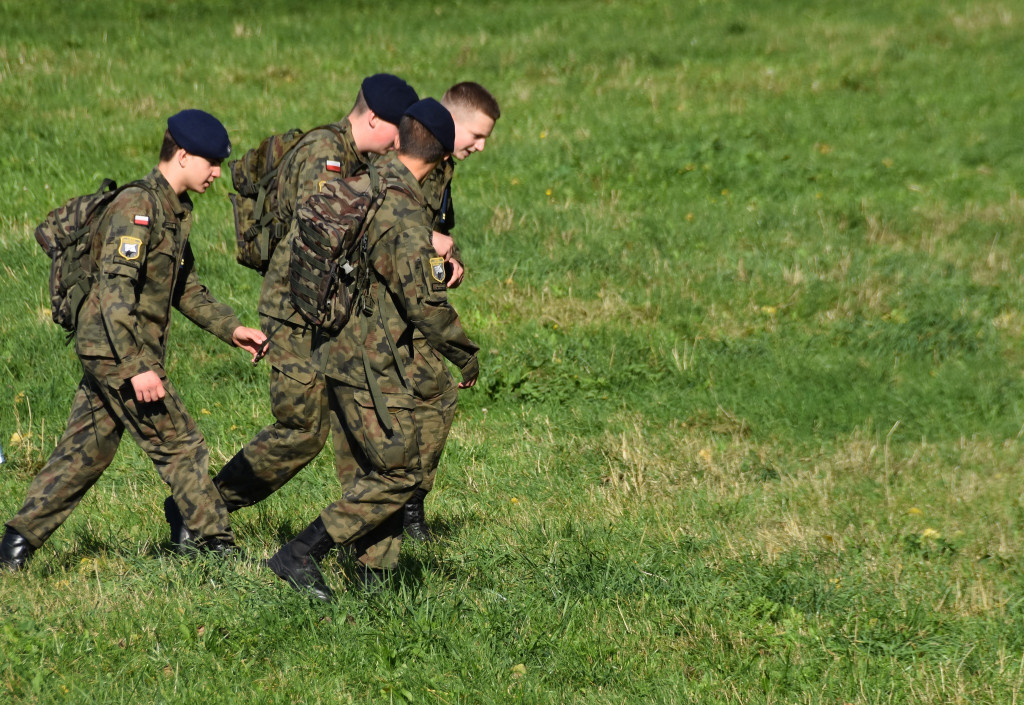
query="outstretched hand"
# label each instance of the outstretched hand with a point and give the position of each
(251, 339)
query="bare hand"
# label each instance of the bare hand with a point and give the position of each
(148, 386)
(442, 244)
(470, 373)
(251, 339)
(457, 273)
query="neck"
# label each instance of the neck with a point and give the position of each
(416, 166)
(170, 172)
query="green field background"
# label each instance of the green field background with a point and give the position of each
(747, 281)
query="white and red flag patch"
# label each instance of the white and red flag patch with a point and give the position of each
(142, 220)
(333, 165)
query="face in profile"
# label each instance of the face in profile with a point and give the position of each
(200, 172)
(472, 128)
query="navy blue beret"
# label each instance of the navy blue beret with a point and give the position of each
(388, 96)
(198, 132)
(436, 118)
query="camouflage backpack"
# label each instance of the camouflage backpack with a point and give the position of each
(66, 235)
(327, 272)
(258, 224)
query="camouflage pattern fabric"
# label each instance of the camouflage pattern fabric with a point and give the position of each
(100, 414)
(317, 158)
(434, 418)
(144, 268)
(410, 307)
(434, 187)
(298, 400)
(378, 471)
(297, 390)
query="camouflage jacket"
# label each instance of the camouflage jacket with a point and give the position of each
(442, 214)
(318, 157)
(144, 266)
(409, 303)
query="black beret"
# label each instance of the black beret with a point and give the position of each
(436, 118)
(388, 96)
(198, 132)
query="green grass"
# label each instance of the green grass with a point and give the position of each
(747, 280)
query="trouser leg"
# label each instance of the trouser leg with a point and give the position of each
(379, 471)
(84, 451)
(280, 450)
(434, 420)
(167, 434)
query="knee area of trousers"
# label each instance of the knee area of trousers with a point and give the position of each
(188, 443)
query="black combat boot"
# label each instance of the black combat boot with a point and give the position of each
(296, 561)
(182, 538)
(14, 550)
(187, 543)
(415, 520)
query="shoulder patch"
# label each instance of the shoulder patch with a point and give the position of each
(437, 268)
(130, 247)
(334, 165)
(141, 220)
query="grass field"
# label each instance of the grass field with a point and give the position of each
(747, 280)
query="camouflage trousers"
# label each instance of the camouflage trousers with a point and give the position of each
(378, 471)
(298, 400)
(102, 410)
(434, 418)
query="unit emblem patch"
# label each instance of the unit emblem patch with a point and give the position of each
(437, 268)
(130, 247)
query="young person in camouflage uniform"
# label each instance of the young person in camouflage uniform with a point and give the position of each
(297, 390)
(475, 112)
(145, 266)
(386, 358)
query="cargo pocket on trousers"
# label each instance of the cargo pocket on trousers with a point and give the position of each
(388, 452)
(156, 422)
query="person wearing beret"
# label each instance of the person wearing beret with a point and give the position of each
(475, 111)
(143, 266)
(373, 382)
(298, 398)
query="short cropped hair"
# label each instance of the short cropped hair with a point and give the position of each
(415, 140)
(472, 96)
(169, 147)
(360, 106)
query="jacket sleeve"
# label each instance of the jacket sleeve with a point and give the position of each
(438, 191)
(321, 159)
(193, 299)
(422, 292)
(129, 234)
